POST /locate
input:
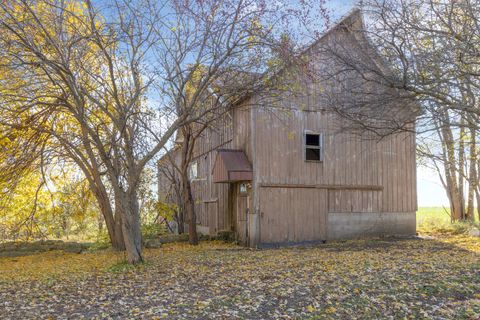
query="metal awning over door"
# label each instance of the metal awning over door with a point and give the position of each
(231, 166)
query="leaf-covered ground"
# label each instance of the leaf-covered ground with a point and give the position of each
(387, 279)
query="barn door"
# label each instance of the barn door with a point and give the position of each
(243, 198)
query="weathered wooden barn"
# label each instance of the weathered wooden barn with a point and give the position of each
(276, 177)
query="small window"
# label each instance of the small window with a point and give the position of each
(194, 171)
(313, 147)
(243, 188)
(312, 139)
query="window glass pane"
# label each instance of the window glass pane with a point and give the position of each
(312, 139)
(193, 171)
(312, 154)
(243, 188)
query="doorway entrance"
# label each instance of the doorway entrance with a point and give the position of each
(242, 211)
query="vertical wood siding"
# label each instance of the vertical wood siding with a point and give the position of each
(292, 215)
(349, 160)
(359, 174)
(211, 199)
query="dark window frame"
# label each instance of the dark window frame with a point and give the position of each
(319, 146)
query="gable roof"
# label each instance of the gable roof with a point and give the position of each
(352, 16)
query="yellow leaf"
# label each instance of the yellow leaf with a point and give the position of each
(330, 310)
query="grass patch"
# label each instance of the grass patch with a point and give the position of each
(436, 220)
(153, 231)
(121, 267)
(99, 245)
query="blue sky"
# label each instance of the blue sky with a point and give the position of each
(340, 7)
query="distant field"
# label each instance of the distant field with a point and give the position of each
(433, 214)
(437, 220)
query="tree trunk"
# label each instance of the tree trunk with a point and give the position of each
(132, 235)
(180, 215)
(187, 196)
(119, 242)
(113, 223)
(452, 192)
(189, 207)
(100, 223)
(461, 169)
(448, 160)
(477, 195)
(192, 217)
(477, 189)
(472, 176)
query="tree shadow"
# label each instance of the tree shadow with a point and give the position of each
(381, 244)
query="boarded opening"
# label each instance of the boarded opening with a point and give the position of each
(292, 215)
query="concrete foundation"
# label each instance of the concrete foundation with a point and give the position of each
(356, 225)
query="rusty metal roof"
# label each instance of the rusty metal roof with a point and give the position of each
(231, 166)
